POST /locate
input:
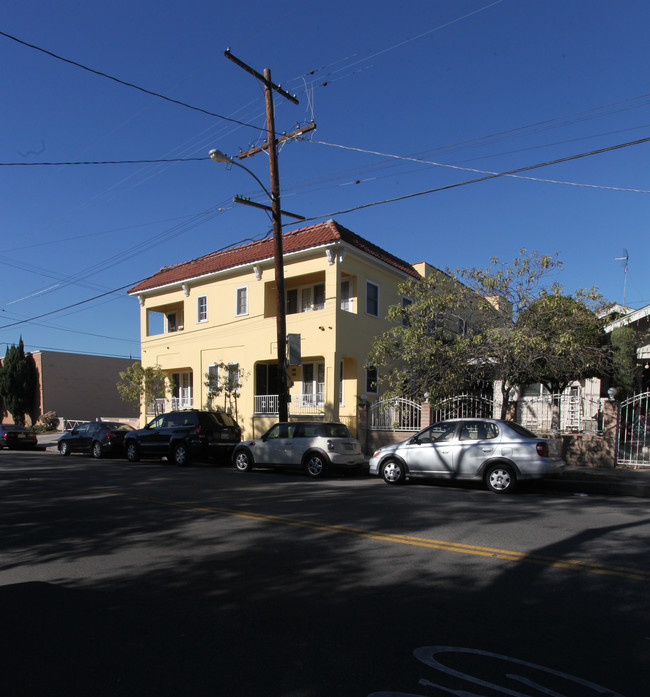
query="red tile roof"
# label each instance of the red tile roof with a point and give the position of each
(297, 240)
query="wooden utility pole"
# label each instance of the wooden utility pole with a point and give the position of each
(276, 214)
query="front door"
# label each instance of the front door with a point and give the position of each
(313, 384)
(433, 451)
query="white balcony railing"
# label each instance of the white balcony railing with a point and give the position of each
(299, 404)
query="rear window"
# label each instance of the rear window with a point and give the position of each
(219, 418)
(118, 426)
(14, 427)
(336, 431)
(521, 430)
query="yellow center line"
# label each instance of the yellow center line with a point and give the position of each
(458, 547)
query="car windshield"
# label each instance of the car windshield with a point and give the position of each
(336, 431)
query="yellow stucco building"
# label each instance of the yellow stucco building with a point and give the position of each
(216, 316)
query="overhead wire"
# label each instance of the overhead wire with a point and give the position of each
(493, 175)
(125, 82)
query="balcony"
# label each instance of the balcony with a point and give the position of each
(300, 405)
(159, 406)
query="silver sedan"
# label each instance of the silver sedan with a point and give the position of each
(497, 452)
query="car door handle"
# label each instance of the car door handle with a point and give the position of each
(487, 450)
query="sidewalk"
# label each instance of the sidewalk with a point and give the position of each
(615, 481)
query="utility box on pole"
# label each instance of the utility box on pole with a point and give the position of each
(293, 343)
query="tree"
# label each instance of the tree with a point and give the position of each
(458, 332)
(433, 344)
(469, 326)
(226, 379)
(626, 374)
(566, 342)
(18, 382)
(140, 384)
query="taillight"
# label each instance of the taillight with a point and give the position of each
(200, 431)
(110, 435)
(330, 445)
(542, 449)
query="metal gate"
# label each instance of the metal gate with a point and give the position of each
(633, 441)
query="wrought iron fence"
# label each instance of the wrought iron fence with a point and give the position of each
(464, 405)
(398, 414)
(634, 431)
(578, 413)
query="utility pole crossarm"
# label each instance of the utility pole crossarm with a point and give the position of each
(259, 76)
(283, 138)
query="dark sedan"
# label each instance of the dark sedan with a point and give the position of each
(96, 438)
(13, 436)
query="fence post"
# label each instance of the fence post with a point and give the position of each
(362, 424)
(425, 414)
(611, 415)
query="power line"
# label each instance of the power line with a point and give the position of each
(494, 175)
(102, 162)
(419, 160)
(128, 84)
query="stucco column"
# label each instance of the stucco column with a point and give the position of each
(330, 343)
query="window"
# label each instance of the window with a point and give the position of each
(212, 382)
(202, 308)
(306, 298)
(341, 384)
(478, 430)
(232, 378)
(170, 321)
(347, 303)
(406, 301)
(241, 301)
(371, 380)
(372, 299)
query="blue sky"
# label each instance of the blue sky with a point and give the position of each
(407, 96)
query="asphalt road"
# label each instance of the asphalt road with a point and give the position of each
(145, 579)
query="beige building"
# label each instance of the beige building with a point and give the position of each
(216, 316)
(79, 387)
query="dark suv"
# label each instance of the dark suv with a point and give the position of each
(182, 435)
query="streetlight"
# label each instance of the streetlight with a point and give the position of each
(280, 310)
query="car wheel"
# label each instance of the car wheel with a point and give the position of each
(243, 461)
(97, 449)
(132, 451)
(181, 455)
(64, 448)
(393, 472)
(501, 479)
(315, 465)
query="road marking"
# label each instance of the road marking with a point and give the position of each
(458, 547)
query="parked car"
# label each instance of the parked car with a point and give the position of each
(97, 438)
(310, 445)
(183, 435)
(13, 436)
(497, 452)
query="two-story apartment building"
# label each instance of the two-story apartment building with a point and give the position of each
(217, 314)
